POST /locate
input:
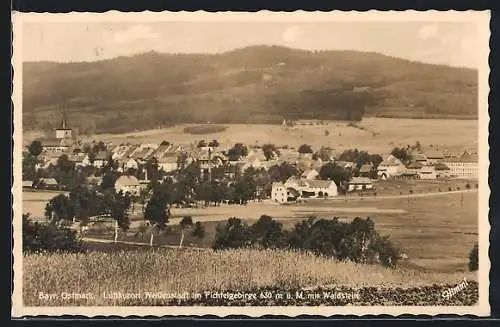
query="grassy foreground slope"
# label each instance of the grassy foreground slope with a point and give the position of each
(171, 271)
(258, 84)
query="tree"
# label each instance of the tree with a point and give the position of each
(59, 208)
(282, 172)
(202, 144)
(52, 238)
(185, 222)
(270, 151)
(238, 151)
(156, 212)
(474, 258)
(327, 133)
(324, 154)
(35, 148)
(401, 154)
(232, 234)
(376, 159)
(199, 230)
(268, 233)
(331, 171)
(120, 204)
(305, 148)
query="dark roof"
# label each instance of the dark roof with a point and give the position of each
(102, 155)
(415, 165)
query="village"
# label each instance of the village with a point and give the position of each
(314, 174)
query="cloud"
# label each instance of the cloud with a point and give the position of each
(292, 34)
(428, 31)
(136, 32)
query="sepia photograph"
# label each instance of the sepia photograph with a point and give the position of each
(191, 163)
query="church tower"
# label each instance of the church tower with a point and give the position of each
(63, 131)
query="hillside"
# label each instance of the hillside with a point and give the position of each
(259, 84)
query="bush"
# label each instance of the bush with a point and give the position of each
(356, 241)
(467, 186)
(49, 238)
(474, 258)
(232, 235)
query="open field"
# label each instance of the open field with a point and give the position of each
(171, 271)
(436, 232)
(453, 134)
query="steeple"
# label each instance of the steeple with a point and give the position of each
(63, 131)
(64, 123)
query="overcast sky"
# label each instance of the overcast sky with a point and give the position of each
(449, 43)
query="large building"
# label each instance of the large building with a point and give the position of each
(465, 166)
(390, 168)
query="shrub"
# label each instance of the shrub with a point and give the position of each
(327, 133)
(51, 238)
(474, 258)
(467, 186)
(450, 189)
(233, 234)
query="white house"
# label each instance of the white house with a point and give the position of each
(312, 188)
(128, 184)
(168, 163)
(282, 194)
(390, 167)
(359, 184)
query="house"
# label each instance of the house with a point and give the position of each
(128, 184)
(419, 158)
(80, 159)
(312, 188)
(310, 174)
(101, 159)
(366, 170)
(427, 172)
(442, 171)
(464, 166)
(54, 145)
(414, 167)
(434, 157)
(144, 153)
(168, 163)
(27, 184)
(47, 183)
(359, 183)
(282, 194)
(390, 168)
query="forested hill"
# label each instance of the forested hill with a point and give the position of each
(260, 84)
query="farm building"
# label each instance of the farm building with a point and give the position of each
(366, 170)
(359, 184)
(128, 184)
(312, 188)
(390, 168)
(414, 167)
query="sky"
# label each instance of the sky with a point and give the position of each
(437, 42)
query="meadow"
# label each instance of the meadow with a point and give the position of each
(435, 232)
(379, 135)
(171, 271)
